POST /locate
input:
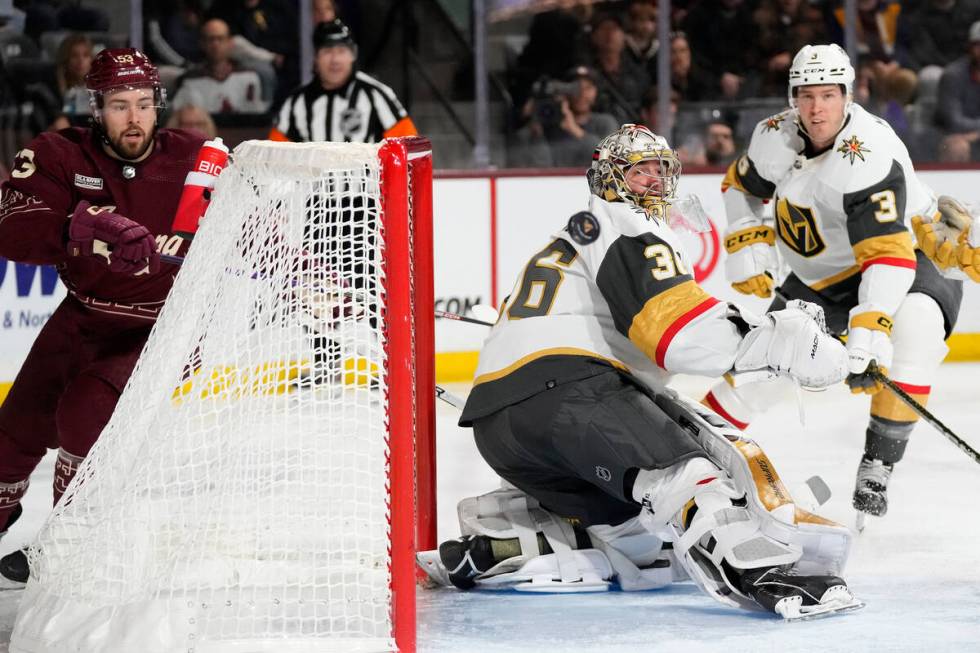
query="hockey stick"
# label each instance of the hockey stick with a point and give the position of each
(461, 318)
(921, 410)
(875, 373)
(102, 248)
(450, 398)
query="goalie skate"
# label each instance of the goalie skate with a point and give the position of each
(798, 598)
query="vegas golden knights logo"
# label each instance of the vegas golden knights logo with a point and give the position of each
(798, 228)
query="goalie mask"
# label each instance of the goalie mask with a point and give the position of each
(618, 153)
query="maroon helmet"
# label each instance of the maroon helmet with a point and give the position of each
(122, 68)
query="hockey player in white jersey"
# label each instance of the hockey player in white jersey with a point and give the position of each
(842, 193)
(569, 407)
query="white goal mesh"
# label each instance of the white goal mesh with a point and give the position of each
(238, 498)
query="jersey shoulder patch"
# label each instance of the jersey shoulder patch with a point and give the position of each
(583, 227)
(774, 145)
(864, 152)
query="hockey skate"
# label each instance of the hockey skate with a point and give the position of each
(14, 516)
(871, 489)
(796, 598)
(14, 570)
(458, 562)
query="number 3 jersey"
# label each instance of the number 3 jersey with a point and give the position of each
(839, 213)
(612, 290)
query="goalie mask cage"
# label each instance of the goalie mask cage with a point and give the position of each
(269, 466)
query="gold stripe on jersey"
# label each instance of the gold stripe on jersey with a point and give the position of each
(660, 313)
(762, 234)
(891, 249)
(874, 320)
(732, 180)
(888, 405)
(835, 278)
(743, 176)
(541, 353)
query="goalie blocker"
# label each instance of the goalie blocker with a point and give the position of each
(723, 519)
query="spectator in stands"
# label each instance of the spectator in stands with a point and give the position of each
(340, 103)
(650, 111)
(720, 33)
(219, 85)
(876, 29)
(641, 35)
(934, 33)
(75, 56)
(784, 26)
(173, 32)
(556, 42)
(876, 33)
(193, 118)
(11, 18)
(265, 39)
(622, 81)
(324, 11)
(691, 82)
(562, 127)
(62, 99)
(959, 109)
(719, 143)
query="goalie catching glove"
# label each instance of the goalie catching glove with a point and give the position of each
(792, 342)
(751, 260)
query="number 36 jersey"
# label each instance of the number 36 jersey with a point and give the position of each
(612, 290)
(838, 213)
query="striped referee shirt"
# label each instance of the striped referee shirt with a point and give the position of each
(362, 111)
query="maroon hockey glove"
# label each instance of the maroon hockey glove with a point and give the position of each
(132, 248)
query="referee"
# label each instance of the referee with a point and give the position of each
(341, 103)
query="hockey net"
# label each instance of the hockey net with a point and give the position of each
(256, 488)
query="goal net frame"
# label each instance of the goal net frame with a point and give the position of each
(50, 622)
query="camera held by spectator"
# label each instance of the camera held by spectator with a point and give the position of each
(547, 97)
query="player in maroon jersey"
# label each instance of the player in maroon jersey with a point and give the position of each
(71, 195)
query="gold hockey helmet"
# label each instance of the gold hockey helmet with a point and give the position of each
(624, 148)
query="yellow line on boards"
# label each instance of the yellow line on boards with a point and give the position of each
(460, 366)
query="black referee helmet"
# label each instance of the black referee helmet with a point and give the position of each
(332, 33)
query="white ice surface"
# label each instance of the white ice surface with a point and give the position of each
(918, 568)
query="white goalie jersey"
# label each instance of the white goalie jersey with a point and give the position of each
(840, 213)
(613, 289)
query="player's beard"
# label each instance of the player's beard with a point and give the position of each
(126, 147)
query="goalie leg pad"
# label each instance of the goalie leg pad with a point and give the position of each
(825, 544)
(626, 553)
(714, 527)
(508, 513)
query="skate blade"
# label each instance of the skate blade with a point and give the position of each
(860, 521)
(431, 564)
(836, 600)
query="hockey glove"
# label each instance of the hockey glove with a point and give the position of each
(132, 248)
(968, 247)
(868, 339)
(948, 238)
(794, 342)
(751, 259)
